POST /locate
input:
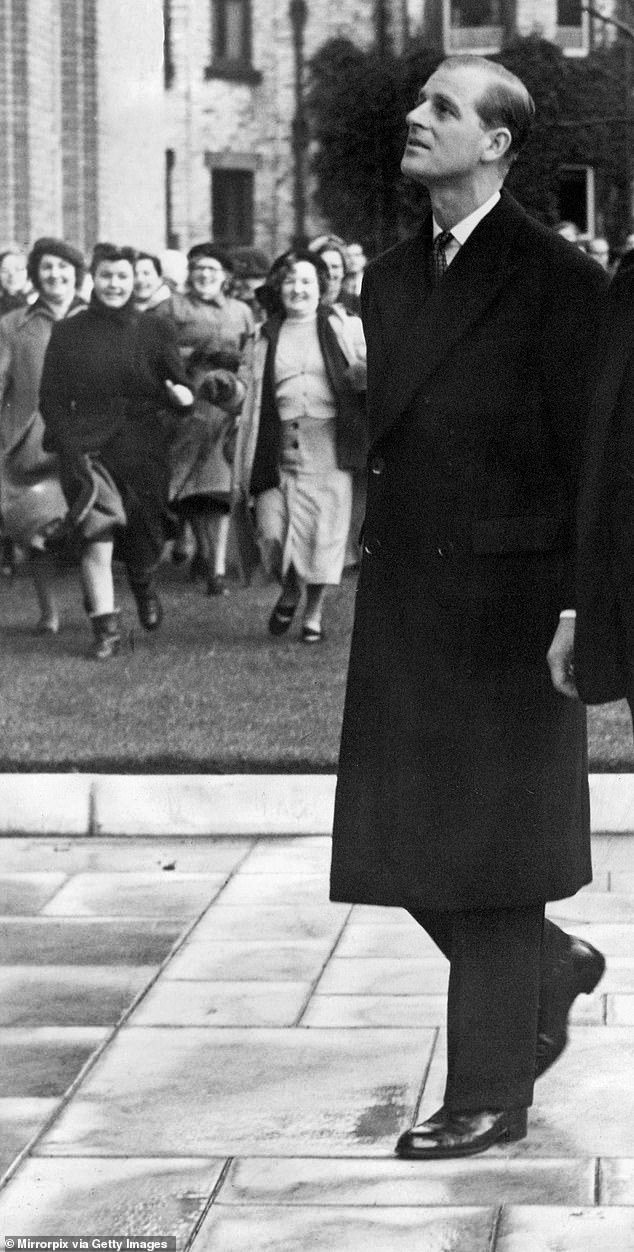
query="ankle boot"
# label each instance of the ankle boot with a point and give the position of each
(149, 607)
(105, 628)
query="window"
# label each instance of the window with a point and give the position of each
(232, 206)
(231, 50)
(473, 25)
(572, 27)
(577, 197)
(168, 58)
(172, 238)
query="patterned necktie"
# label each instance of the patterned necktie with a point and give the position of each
(439, 256)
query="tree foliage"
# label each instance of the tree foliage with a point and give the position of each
(357, 102)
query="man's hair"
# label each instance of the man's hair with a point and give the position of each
(505, 101)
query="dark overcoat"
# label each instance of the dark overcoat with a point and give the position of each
(463, 774)
(604, 639)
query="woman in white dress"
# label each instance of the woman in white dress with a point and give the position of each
(301, 434)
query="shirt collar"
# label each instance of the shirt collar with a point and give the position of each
(463, 229)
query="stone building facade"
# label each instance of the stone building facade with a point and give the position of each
(161, 122)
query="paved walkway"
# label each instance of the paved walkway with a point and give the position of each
(196, 1043)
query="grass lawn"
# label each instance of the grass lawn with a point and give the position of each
(212, 692)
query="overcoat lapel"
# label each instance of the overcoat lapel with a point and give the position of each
(422, 327)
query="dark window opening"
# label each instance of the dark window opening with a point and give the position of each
(573, 198)
(472, 13)
(169, 70)
(231, 50)
(172, 239)
(569, 13)
(232, 206)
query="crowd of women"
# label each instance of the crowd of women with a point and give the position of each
(139, 406)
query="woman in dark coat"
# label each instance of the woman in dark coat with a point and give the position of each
(108, 374)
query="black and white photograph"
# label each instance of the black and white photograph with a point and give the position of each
(317, 625)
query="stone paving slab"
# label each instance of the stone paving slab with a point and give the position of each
(43, 1062)
(173, 895)
(395, 1183)
(363, 1011)
(346, 1230)
(275, 923)
(94, 855)
(552, 1229)
(223, 1004)
(401, 940)
(75, 941)
(305, 855)
(20, 1119)
(21, 894)
(228, 1092)
(385, 976)
(584, 1106)
(241, 961)
(56, 995)
(137, 1197)
(594, 906)
(259, 890)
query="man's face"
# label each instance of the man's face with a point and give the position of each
(446, 138)
(207, 277)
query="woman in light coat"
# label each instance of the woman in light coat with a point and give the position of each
(301, 434)
(33, 504)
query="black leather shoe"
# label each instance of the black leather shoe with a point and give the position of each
(149, 607)
(577, 970)
(461, 1134)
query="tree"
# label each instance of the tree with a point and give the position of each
(358, 101)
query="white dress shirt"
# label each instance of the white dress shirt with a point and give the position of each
(461, 231)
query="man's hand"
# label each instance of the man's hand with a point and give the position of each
(560, 658)
(181, 397)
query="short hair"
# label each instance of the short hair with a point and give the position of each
(505, 100)
(331, 247)
(111, 253)
(270, 296)
(210, 250)
(154, 260)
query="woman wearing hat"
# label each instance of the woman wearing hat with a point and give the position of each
(108, 375)
(207, 318)
(33, 505)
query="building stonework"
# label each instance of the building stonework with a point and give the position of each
(103, 137)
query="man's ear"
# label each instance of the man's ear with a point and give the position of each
(498, 144)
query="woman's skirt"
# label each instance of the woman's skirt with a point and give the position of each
(304, 523)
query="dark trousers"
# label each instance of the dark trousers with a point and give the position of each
(500, 966)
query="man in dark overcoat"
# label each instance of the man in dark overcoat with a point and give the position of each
(462, 792)
(604, 641)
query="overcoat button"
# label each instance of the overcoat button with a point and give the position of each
(372, 546)
(377, 465)
(446, 548)
(295, 444)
